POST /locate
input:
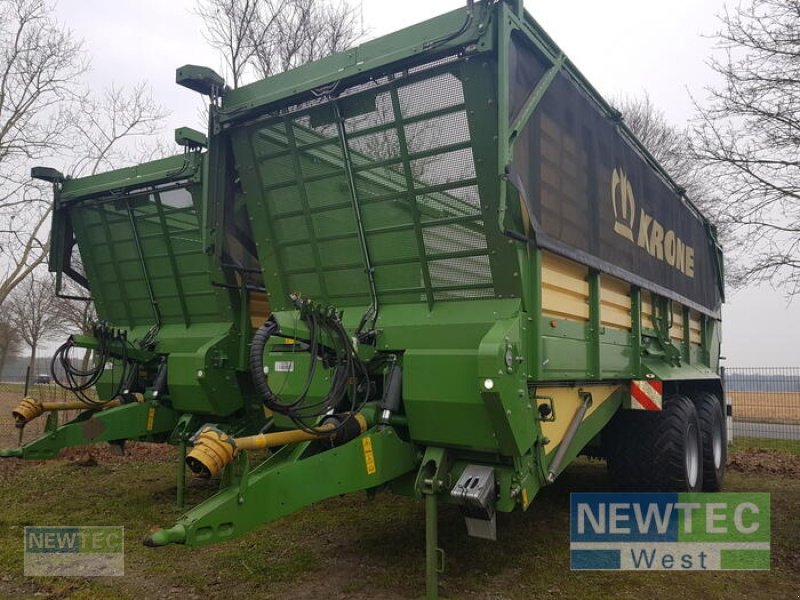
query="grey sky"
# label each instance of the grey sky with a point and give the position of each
(624, 47)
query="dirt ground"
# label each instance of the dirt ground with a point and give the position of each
(758, 461)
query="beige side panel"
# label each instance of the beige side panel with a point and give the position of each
(695, 328)
(565, 402)
(676, 331)
(615, 303)
(565, 290)
(647, 310)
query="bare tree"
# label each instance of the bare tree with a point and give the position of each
(77, 310)
(9, 339)
(258, 38)
(36, 313)
(231, 27)
(748, 136)
(670, 146)
(45, 115)
(39, 61)
(304, 31)
(110, 125)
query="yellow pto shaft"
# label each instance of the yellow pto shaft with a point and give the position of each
(214, 449)
(31, 408)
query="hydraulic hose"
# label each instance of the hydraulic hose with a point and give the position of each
(79, 381)
(257, 346)
(350, 377)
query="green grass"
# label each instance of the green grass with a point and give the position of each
(744, 443)
(354, 546)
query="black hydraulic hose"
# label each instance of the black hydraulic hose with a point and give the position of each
(348, 370)
(294, 409)
(78, 381)
(257, 346)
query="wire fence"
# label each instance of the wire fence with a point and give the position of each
(765, 404)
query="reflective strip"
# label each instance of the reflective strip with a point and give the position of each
(646, 394)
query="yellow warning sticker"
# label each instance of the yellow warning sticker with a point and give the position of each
(151, 418)
(369, 457)
(524, 498)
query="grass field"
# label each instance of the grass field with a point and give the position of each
(767, 407)
(742, 443)
(354, 547)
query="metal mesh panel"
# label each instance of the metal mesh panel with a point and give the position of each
(445, 239)
(460, 277)
(459, 200)
(451, 128)
(381, 113)
(429, 95)
(375, 147)
(445, 168)
(403, 155)
(172, 260)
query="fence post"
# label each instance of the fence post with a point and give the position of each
(728, 406)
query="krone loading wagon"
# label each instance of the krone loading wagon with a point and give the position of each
(474, 274)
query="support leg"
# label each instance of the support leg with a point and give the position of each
(180, 494)
(431, 548)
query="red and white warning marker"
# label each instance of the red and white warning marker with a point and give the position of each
(646, 394)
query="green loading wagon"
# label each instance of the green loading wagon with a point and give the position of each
(438, 263)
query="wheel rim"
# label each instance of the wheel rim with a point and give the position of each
(716, 444)
(692, 457)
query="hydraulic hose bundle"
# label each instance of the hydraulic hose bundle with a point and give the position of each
(349, 389)
(78, 380)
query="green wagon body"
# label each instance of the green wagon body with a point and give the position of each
(480, 217)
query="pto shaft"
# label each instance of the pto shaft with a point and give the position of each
(214, 449)
(29, 409)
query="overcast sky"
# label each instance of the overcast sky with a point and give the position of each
(624, 47)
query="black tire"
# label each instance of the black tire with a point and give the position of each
(715, 440)
(657, 451)
(676, 463)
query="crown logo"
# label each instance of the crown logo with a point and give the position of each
(623, 203)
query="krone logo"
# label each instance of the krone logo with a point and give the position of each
(663, 244)
(624, 204)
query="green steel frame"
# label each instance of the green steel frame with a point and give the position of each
(139, 234)
(295, 143)
(351, 204)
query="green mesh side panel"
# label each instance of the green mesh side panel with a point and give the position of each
(411, 172)
(168, 229)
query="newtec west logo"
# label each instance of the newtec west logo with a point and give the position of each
(670, 532)
(649, 234)
(74, 551)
